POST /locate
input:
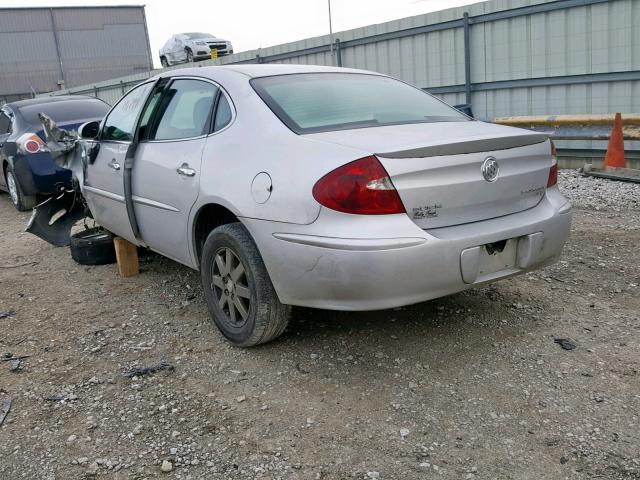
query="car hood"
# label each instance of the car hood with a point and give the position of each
(207, 39)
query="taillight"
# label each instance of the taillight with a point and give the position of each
(361, 187)
(31, 143)
(553, 172)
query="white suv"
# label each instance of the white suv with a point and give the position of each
(191, 47)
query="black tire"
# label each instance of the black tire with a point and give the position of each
(266, 317)
(189, 55)
(164, 62)
(21, 201)
(93, 246)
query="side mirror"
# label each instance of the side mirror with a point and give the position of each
(89, 130)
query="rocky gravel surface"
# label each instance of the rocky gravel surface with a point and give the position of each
(471, 386)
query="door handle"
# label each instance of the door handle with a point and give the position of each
(185, 170)
(113, 164)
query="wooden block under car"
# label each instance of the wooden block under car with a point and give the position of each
(126, 257)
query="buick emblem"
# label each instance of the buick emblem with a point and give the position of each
(490, 169)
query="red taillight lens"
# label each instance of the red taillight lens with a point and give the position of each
(31, 143)
(362, 187)
(32, 146)
(553, 172)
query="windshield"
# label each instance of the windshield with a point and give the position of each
(194, 35)
(320, 102)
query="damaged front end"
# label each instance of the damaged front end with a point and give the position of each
(53, 219)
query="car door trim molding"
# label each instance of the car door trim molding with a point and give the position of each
(153, 203)
(104, 193)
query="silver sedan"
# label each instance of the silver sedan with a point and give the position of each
(320, 187)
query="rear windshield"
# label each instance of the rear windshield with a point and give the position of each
(320, 102)
(66, 111)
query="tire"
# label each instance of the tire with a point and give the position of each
(164, 62)
(20, 201)
(189, 55)
(266, 318)
(93, 246)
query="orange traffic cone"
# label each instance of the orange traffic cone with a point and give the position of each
(615, 150)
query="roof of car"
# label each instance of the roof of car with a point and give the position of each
(265, 70)
(43, 100)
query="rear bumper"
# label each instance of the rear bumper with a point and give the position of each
(371, 263)
(38, 174)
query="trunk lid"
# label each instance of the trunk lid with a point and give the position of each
(437, 168)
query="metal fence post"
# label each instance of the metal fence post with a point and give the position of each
(338, 53)
(95, 91)
(467, 60)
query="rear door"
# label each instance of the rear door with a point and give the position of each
(103, 183)
(166, 172)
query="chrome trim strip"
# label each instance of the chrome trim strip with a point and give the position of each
(152, 203)
(104, 193)
(360, 244)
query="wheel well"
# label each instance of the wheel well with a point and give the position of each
(209, 217)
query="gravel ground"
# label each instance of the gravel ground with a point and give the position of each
(471, 386)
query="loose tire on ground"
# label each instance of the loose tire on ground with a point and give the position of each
(266, 318)
(93, 246)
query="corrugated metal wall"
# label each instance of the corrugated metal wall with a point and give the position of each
(527, 57)
(93, 44)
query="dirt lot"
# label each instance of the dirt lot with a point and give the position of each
(464, 387)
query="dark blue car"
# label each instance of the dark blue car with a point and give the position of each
(28, 170)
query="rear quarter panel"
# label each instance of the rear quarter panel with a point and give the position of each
(257, 141)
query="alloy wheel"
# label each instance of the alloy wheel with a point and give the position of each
(13, 188)
(231, 287)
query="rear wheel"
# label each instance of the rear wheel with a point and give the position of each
(20, 201)
(164, 62)
(239, 293)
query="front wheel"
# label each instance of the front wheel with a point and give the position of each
(189, 56)
(164, 62)
(240, 296)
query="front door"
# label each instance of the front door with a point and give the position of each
(166, 171)
(103, 184)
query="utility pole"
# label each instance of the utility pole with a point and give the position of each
(330, 34)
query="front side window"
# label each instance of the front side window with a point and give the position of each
(121, 122)
(320, 102)
(185, 110)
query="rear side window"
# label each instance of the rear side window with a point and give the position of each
(5, 123)
(67, 111)
(223, 113)
(320, 102)
(185, 110)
